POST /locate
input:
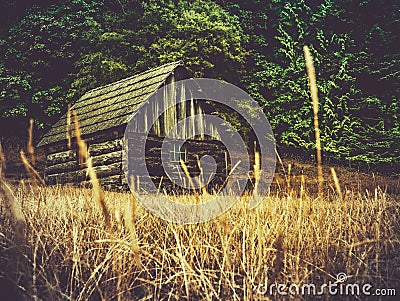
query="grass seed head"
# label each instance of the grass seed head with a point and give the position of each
(69, 128)
(315, 103)
(30, 148)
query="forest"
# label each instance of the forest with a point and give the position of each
(54, 51)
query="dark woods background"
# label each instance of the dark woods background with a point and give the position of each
(54, 51)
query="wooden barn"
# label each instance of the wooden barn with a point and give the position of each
(103, 115)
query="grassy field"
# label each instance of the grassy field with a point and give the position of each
(62, 248)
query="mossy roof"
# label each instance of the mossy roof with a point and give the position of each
(111, 105)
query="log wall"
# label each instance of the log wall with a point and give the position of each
(62, 167)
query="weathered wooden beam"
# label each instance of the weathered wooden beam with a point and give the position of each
(111, 180)
(110, 183)
(105, 147)
(69, 162)
(103, 171)
(106, 159)
(61, 157)
(62, 167)
(67, 177)
(99, 137)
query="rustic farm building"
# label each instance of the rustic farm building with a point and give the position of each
(103, 115)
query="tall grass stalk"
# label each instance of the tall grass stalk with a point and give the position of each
(69, 128)
(84, 158)
(2, 161)
(337, 184)
(30, 149)
(314, 97)
(31, 170)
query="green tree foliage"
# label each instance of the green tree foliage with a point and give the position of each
(40, 49)
(356, 61)
(200, 33)
(136, 37)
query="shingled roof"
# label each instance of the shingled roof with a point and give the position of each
(111, 105)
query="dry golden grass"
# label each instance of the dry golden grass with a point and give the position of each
(72, 255)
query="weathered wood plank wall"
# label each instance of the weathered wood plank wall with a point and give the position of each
(63, 167)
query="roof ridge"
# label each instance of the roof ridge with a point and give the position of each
(177, 63)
